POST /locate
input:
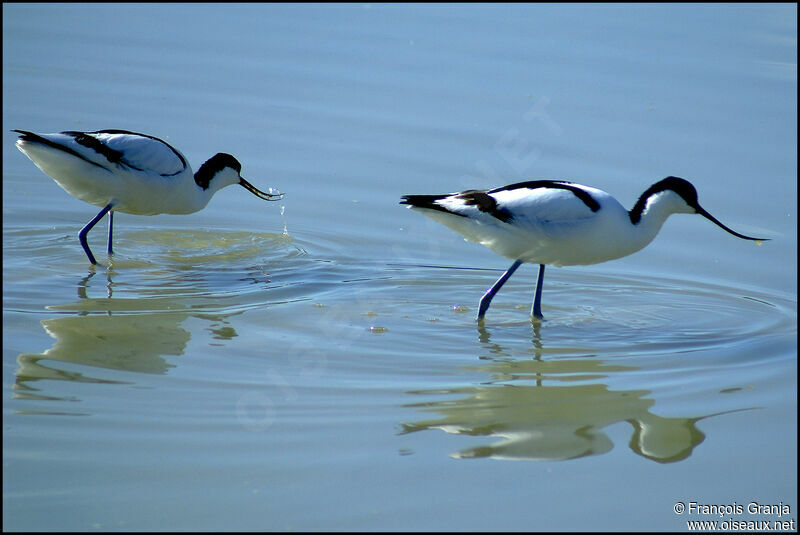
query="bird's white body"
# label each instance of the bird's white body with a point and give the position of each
(558, 223)
(555, 227)
(149, 177)
(124, 171)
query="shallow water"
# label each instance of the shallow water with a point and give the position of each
(315, 364)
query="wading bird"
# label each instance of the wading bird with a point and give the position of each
(552, 222)
(127, 172)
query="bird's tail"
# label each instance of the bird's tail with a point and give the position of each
(423, 201)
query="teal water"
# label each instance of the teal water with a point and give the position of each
(315, 364)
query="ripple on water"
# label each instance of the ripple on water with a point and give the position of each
(174, 269)
(206, 271)
(590, 313)
(227, 271)
(659, 355)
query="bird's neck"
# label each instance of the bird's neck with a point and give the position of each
(648, 215)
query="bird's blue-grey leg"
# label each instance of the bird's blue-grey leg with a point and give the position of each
(110, 230)
(85, 230)
(536, 309)
(487, 297)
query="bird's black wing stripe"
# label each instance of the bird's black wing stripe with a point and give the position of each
(485, 203)
(582, 194)
(128, 132)
(81, 138)
(30, 137)
(478, 198)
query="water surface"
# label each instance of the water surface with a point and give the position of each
(315, 364)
